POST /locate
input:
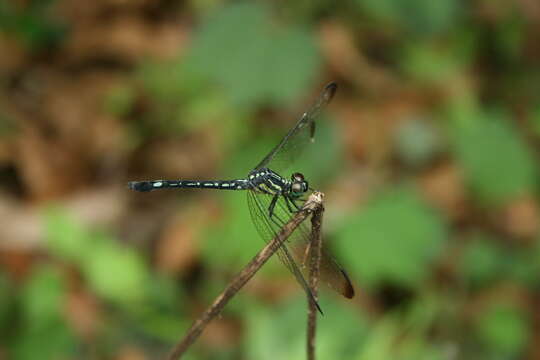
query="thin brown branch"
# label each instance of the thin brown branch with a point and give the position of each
(314, 267)
(312, 205)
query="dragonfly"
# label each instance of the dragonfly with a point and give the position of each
(273, 199)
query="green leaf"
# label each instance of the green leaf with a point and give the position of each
(116, 273)
(428, 64)
(66, 238)
(380, 342)
(53, 341)
(482, 261)
(44, 333)
(498, 165)
(251, 58)
(418, 17)
(160, 316)
(504, 329)
(6, 302)
(396, 237)
(389, 339)
(43, 297)
(524, 266)
(281, 328)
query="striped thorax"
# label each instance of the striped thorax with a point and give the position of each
(269, 182)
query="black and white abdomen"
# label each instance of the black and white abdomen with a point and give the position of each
(144, 186)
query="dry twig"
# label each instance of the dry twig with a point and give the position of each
(312, 205)
(314, 267)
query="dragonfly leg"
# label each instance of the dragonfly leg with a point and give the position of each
(263, 190)
(272, 206)
(296, 205)
(287, 202)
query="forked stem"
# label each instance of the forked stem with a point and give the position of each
(313, 205)
(314, 268)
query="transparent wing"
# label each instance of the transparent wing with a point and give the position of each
(293, 144)
(331, 273)
(295, 252)
(269, 228)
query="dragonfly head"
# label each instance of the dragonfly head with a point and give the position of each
(299, 185)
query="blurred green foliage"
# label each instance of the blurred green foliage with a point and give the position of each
(146, 303)
(283, 330)
(494, 179)
(435, 64)
(99, 257)
(254, 64)
(397, 220)
(251, 69)
(482, 260)
(504, 329)
(32, 24)
(419, 18)
(434, 280)
(44, 332)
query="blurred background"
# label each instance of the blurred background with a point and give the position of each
(427, 156)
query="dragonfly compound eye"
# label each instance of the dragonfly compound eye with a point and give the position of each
(299, 187)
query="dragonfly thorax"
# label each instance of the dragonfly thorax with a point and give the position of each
(269, 182)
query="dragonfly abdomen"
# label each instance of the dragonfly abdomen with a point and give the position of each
(144, 186)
